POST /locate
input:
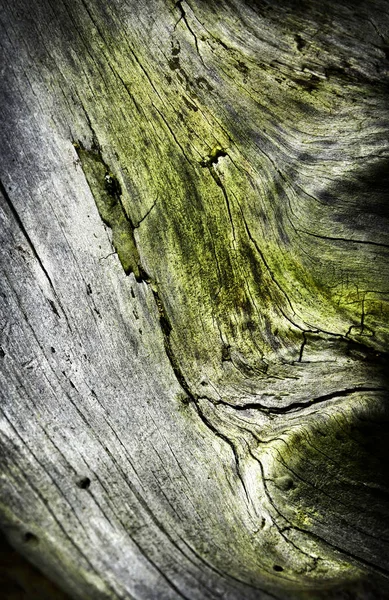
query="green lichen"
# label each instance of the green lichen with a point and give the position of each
(107, 192)
(216, 153)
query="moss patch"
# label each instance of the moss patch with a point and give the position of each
(107, 192)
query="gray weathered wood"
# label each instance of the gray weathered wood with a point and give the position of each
(194, 299)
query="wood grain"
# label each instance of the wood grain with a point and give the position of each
(194, 299)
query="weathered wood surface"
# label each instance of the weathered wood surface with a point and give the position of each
(20, 580)
(194, 304)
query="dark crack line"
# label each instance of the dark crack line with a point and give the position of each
(145, 73)
(141, 501)
(253, 241)
(95, 142)
(334, 500)
(183, 17)
(226, 576)
(131, 486)
(320, 539)
(299, 405)
(302, 347)
(34, 251)
(52, 512)
(341, 239)
(132, 536)
(220, 435)
(166, 329)
(126, 87)
(173, 135)
(220, 184)
(272, 503)
(146, 214)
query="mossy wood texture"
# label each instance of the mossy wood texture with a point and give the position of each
(194, 300)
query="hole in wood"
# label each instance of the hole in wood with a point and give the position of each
(278, 568)
(84, 483)
(30, 538)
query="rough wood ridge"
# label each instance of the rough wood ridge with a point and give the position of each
(194, 297)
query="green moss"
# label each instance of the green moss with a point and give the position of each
(337, 463)
(106, 191)
(216, 153)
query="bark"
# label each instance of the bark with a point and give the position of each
(194, 300)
